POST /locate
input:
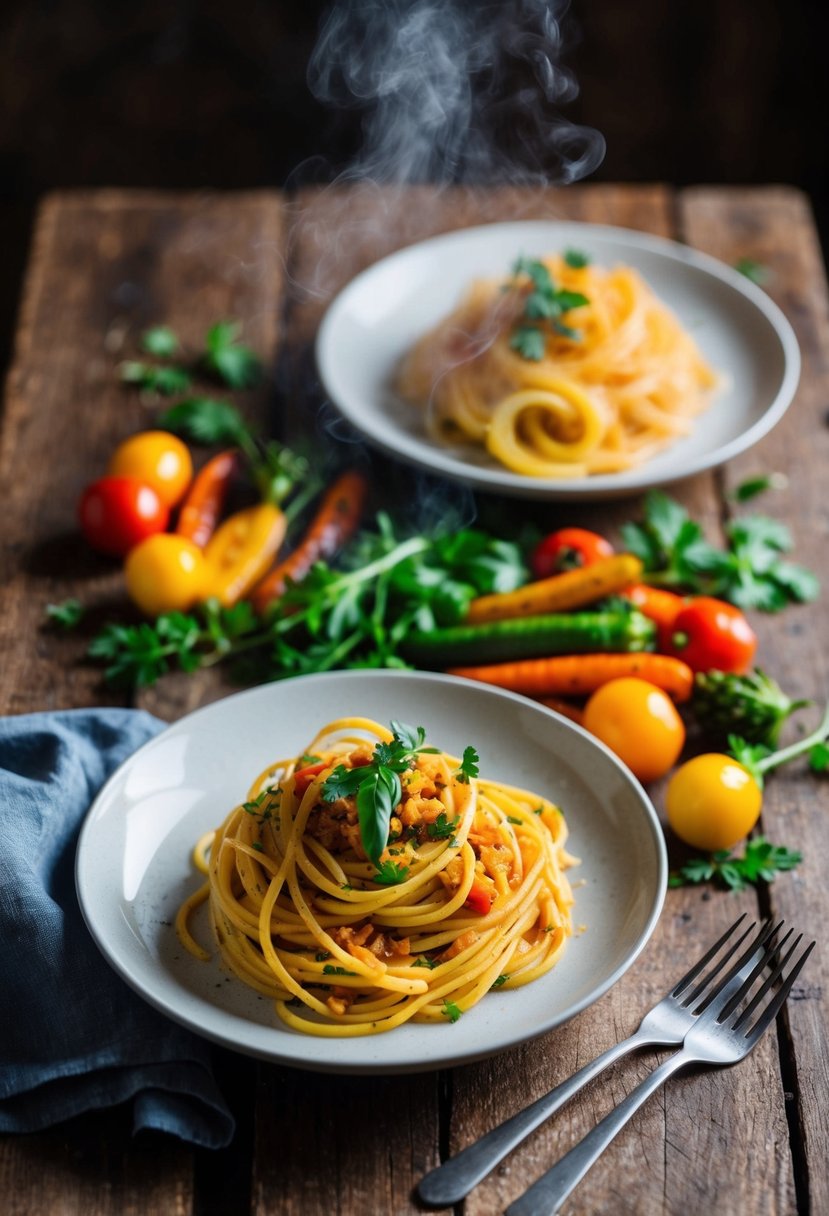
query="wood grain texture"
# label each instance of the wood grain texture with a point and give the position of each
(104, 266)
(774, 227)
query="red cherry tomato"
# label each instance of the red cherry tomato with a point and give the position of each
(567, 549)
(710, 634)
(117, 513)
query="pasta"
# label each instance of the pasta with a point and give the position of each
(469, 891)
(600, 394)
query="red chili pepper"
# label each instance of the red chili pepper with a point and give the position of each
(710, 635)
(480, 897)
(202, 507)
(568, 549)
(335, 521)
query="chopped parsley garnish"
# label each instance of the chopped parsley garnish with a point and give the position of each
(321, 956)
(513, 819)
(423, 960)
(389, 873)
(67, 614)
(502, 979)
(469, 765)
(451, 1010)
(545, 304)
(329, 969)
(260, 848)
(576, 259)
(442, 827)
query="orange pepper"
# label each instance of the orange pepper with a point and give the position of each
(241, 551)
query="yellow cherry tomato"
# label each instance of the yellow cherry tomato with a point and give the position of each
(639, 722)
(165, 573)
(712, 802)
(157, 458)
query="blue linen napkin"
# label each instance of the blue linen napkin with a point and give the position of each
(73, 1035)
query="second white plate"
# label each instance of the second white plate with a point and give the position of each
(384, 310)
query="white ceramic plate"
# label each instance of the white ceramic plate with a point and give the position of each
(384, 310)
(133, 862)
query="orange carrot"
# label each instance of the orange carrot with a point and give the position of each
(335, 521)
(658, 605)
(561, 592)
(203, 504)
(580, 674)
(565, 708)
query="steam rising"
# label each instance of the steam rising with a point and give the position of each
(454, 92)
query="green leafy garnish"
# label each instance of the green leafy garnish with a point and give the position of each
(164, 380)
(544, 304)
(390, 873)
(321, 956)
(752, 486)
(756, 271)
(760, 862)
(501, 979)
(377, 789)
(819, 757)
(235, 365)
(469, 765)
(750, 572)
(451, 1010)
(423, 960)
(442, 828)
(329, 969)
(260, 848)
(576, 260)
(514, 819)
(159, 341)
(68, 614)
(208, 421)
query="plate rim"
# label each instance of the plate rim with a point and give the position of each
(607, 485)
(97, 926)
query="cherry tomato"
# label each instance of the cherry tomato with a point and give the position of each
(165, 573)
(639, 722)
(567, 549)
(158, 458)
(712, 802)
(710, 634)
(117, 513)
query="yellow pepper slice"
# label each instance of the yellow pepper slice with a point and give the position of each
(241, 551)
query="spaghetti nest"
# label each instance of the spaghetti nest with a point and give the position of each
(591, 374)
(468, 893)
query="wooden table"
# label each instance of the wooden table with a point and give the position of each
(105, 265)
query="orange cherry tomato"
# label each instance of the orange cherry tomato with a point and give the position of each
(639, 722)
(157, 458)
(710, 635)
(165, 573)
(712, 802)
(567, 549)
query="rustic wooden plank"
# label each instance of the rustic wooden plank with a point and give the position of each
(774, 226)
(105, 265)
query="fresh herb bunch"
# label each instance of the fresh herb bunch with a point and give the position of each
(224, 360)
(760, 862)
(377, 790)
(544, 304)
(754, 705)
(353, 616)
(750, 572)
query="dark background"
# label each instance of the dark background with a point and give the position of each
(197, 93)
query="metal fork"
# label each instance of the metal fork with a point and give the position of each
(664, 1026)
(723, 1034)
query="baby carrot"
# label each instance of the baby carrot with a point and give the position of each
(580, 674)
(336, 519)
(561, 592)
(566, 708)
(203, 504)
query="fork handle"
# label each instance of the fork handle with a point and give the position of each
(549, 1192)
(454, 1179)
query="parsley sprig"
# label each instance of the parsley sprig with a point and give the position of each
(760, 862)
(545, 304)
(750, 571)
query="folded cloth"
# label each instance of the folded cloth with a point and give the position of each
(73, 1036)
